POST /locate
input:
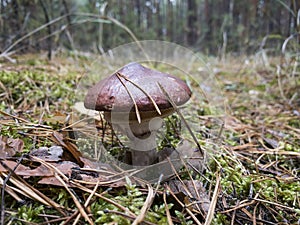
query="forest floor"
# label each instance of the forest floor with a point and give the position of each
(250, 174)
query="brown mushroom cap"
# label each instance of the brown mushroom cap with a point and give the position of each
(110, 94)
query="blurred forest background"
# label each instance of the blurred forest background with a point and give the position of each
(210, 26)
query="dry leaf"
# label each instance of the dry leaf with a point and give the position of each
(52, 154)
(193, 192)
(10, 146)
(72, 148)
(12, 166)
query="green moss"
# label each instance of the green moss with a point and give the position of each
(28, 88)
(29, 213)
(133, 199)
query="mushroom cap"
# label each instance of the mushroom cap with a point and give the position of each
(110, 94)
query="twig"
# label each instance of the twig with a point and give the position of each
(181, 117)
(149, 96)
(87, 201)
(77, 203)
(138, 116)
(145, 207)
(4, 186)
(213, 203)
(170, 222)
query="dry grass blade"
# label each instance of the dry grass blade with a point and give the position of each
(12, 116)
(145, 207)
(78, 185)
(181, 117)
(283, 48)
(254, 214)
(57, 176)
(118, 23)
(77, 203)
(276, 204)
(87, 201)
(10, 190)
(138, 116)
(241, 204)
(85, 189)
(182, 204)
(214, 200)
(149, 96)
(6, 51)
(29, 190)
(170, 222)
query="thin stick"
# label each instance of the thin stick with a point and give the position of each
(170, 222)
(212, 206)
(145, 207)
(76, 201)
(138, 116)
(83, 188)
(86, 204)
(182, 204)
(181, 117)
(31, 33)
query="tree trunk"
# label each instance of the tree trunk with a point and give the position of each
(47, 20)
(192, 22)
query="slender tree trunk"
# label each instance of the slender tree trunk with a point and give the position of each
(47, 20)
(192, 22)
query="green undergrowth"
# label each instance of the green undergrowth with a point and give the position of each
(254, 148)
(29, 89)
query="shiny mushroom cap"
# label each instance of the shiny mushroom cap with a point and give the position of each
(134, 81)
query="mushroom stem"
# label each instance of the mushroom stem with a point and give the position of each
(142, 151)
(142, 137)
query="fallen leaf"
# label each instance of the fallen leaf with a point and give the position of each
(6, 165)
(10, 146)
(52, 154)
(194, 193)
(72, 148)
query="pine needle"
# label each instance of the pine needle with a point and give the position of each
(137, 113)
(181, 117)
(149, 96)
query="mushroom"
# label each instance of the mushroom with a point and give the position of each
(134, 101)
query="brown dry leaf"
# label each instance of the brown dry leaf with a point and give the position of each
(88, 163)
(40, 171)
(10, 146)
(43, 171)
(51, 181)
(194, 193)
(65, 167)
(83, 176)
(52, 154)
(72, 149)
(12, 165)
(25, 171)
